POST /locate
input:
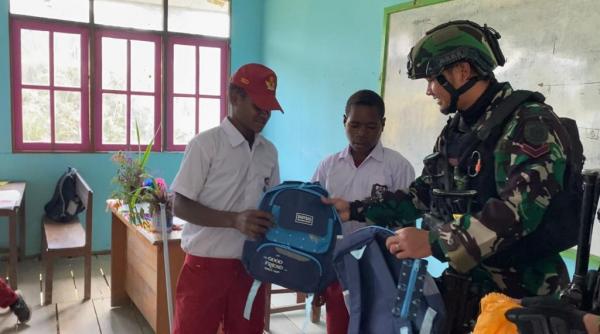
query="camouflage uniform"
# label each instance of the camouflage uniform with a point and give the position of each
(524, 170)
(526, 175)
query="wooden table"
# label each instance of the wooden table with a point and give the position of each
(15, 215)
(138, 272)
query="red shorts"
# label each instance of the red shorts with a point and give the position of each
(7, 295)
(336, 312)
(211, 291)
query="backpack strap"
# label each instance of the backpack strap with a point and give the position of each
(250, 299)
(352, 282)
(504, 110)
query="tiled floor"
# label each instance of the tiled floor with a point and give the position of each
(69, 314)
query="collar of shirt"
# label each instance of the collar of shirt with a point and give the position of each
(235, 136)
(376, 153)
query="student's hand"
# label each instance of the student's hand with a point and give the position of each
(253, 223)
(409, 242)
(341, 206)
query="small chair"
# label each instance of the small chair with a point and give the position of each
(69, 240)
(315, 313)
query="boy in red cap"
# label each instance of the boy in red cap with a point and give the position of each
(222, 176)
(14, 300)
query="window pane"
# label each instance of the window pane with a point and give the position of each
(184, 120)
(184, 64)
(35, 64)
(142, 66)
(142, 113)
(201, 17)
(69, 10)
(114, 63)
(67, 60)
(210, 71)
(210, 113)
(141, 14)
(36, 116)
(67, 117)
(114, 119)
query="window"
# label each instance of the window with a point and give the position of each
(196, 88)
(68, 10)
(127, 90)
(50, 87)
(54, 71)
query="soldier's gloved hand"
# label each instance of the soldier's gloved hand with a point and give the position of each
(547, 315)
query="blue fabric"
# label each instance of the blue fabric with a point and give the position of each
(386, 295)
(297, 252)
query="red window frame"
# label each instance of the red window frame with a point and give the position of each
(18, 144)
(197, 42)
(127, 35)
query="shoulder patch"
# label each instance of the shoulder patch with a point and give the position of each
(535, 133)
(534, 152)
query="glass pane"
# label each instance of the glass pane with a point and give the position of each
(67, 117)
(114, 63)
(210, 113)
(210, 71)
(184, 120)
(69, 10)
(184, 64)
(142, 113)
(67, 60)
(36, 116)
(35, 64)
(201, 17)
(141, 14)
(114, 119)
(142, 66)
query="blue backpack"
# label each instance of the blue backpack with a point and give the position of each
(297, 252)
(384, 294)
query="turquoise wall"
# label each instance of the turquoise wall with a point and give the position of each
(322, 51)
(42, 170)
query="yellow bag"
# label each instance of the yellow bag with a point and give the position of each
(491, 320)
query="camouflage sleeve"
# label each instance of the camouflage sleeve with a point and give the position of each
(393, 209)
(530, 161)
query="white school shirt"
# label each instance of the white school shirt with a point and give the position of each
(220, 171)
(338, 174)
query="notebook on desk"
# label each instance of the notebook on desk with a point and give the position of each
(9, 198)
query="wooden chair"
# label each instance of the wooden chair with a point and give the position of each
(300, 305)
(68, 240)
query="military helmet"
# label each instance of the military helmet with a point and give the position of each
(455, 41)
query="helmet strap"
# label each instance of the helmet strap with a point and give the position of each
(454, 93)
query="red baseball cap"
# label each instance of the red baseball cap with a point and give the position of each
(260, 83)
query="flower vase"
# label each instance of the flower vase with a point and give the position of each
(156, 221)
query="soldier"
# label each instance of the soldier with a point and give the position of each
(498, 168)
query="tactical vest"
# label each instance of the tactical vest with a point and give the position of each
(467, 162)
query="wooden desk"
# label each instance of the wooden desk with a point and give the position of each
(138, 272)
(16, 214)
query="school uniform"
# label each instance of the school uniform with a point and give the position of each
(7, 295)
(343, 179)
(220, 171)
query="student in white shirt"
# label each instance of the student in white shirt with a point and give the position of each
(222, 176)
(353, 172)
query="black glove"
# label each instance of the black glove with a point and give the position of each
(547, 315)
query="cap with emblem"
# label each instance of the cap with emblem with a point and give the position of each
(260, 83)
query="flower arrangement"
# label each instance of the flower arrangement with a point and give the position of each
(155, 193)
(129, 179)
(136, 186)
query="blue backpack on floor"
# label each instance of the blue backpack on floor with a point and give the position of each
(297, 252)
(385, 294)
